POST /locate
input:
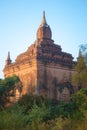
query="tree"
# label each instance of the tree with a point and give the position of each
(83, 48)
(80, 77)
(7, 88)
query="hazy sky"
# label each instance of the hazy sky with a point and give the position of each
(20, 19)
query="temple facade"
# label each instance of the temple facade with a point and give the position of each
(43, 67)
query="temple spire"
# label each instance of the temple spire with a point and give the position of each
(43, 23)
(44, 31)
(8, 60)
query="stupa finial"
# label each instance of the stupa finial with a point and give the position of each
(43, 23)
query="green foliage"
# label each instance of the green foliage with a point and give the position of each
(80, 98)
(83, 48)
(38, 113)
(80, 77)
(28, 102)
(7, 87)
(11, 121)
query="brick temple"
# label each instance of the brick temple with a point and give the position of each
(43, 66)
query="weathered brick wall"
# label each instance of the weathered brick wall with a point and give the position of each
(47, 74)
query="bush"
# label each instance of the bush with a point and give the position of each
(37, 113)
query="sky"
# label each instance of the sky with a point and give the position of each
(20, 19)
